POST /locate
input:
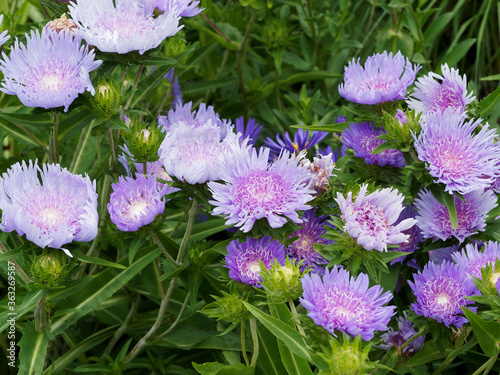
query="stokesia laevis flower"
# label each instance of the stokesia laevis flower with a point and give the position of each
(471, 260)
(300, 142)
(135, 202)
(339, 302)
(243, 258)
(404, 333)
(371, 218)
(383, 78)
(414, 233)
(321, 169)
(186, 8)
(363, 139)
(123, 25)
(434, 221)
(4, 35)
(250, 131)
(441, 291)
(434, 94)
(254, 189)
(464, 162)
(58, 210)
(50, 71)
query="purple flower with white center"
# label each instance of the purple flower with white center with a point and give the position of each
(156, 170)
(434, 94)
(185, 8)
(462, 161)
(434, 221)
(363, 139)
(253, 189)
(339, 302)
(176, 89)
(383, 78)
(403, 334)
(441, 290)
(250, 131)
(135, 202)
(371, 219)
(58, 210)
(4, 35)
(123, 26)
(471, 260)
(310, 233)
(50, 71)
(438, 256)
(321, 169)
(414, 234)
(243, 258)
(300, 142)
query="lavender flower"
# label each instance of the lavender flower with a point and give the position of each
(300, 142)
(184, 116)
(362, 138)
(346, 304)
(434, 94)
(176, 89)
(441, 290)
(371, 218)
(383, 78)
(135, 202)
(462, 161)
(335, 154)
(403, 334)
(321, 169)
(50, 71)
(254, 190)
(438, 256)
(58, 210)
(123, 25)
(243, 258)
(250, 131)
(185, 8)
(434, 222)
(471, 260)
(414, 234)
(4, 35)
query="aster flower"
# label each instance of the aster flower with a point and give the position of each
(371, 218)
(434, 94)
(362, 138)
(58, 210)
(383, 78)
(300, 142)
(346, 304)
(135, 202)
(250, 131)
(123, 25)
(50, 71)
(441, 290)
(335, 154)
(434, 221)
(186, 8)
(462, 161)
(403, 334)
(243, 258)
(3, 36)
(415, 236)
(176, 89)
(321, 169)
(310, 233)
(471, 260)
(254, 189)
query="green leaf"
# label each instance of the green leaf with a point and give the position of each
(33, 346)
(147, 84)
(489, 103)
(487, 332)
(136, 244)
(269, 354)
(429, 352)
(14, 131)
(494, 77)
(216, 368)
(158, 61)
(72, 125)
(100, 262)
(28, 305)
(457, 52)
(332, 128)
(10, 254)
(449, 202)
(385, 146)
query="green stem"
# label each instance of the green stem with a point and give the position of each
(123, 328)
(418, 334)
(84, 138)
(113, 150)
(40, 316)
(157, 241)
(181, 220)
(294, 314)
(255, 340)
(177, 320)
(53, 152)
(134, 86)
(32, 136)
(189, 230)
(486, 366)
(243, 347)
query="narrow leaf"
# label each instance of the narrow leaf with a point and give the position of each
(93, 260)
(449, 202)
(489, 103)
(487, 332)
(33, 346)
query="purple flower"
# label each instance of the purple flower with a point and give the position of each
(3, 36)
(250, 131)
(434, 222)
(50, 71)
(471, 260)
(300, 142)
(438, 256)
(383, 78)
(176, 89)
(335, 154)
(123, 25)
(441, 290)
(135, 202)
(58, 210)
(401, 116)
(243, 258)
(371, 218)
(362, 138)
(185, 8)
(346, 304)
(321, 169)
(404, 333)
(197, 118)
(434, 94)
(310, 233)
(414, 234)
(462, 161)
(254, 189)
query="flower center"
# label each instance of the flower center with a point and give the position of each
(138, 208)
(51, 216)
(253, 266)
(371, 219)
(442, 299)
(52, 82)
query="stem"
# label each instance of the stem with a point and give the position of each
(53, 152)
(294, 314)
(181, 220)
(123, 328)
(216, 29)
(418, 334)
(177, 320)
(40, 316)
(113, 150)
(243, 348)
(19, 269)
(134, 86)
(255, 340)
(84, 137)
(169, 94)
(189, 229)
(32, 136)
(486, 366)
(157, 241)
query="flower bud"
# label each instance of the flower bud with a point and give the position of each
(107, 99)
(282, 283)
(229, 307)
(49, 269)
(61, 24)
(143, 141)
(348, 358)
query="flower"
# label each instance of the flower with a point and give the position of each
(442, 254)
(58, 210)
(186, 8)
(123, 25)
(383, 78)
(176, 89)
(135, 202)
(250, 131)
(346, 304)
(50, 71)
(471, 260)
(60, 24)
(363, 139)
(462, 161)
(156, 170)
(300, 142)
(4, 35)
(254, 189)
(404, 333)
(441, 290)
(434, 94)
(414, 234)
(321, 169)
(371, 217)
(434, 222)
(243, 258)
(185, 117)
(310, 233)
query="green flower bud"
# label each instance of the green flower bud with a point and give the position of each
(49, 269)
(229, 307)
(143, 141)
(346, 358)
(107, 99)
(282, 283)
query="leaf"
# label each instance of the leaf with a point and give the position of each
(28, 305)
(216, 368)
(269, 355)
(15, 132)
(332, 128)
(93, 260)
(10, 254)
(428, 353)
(33, 346)
(457, 52)
(147, 84)
(449, 202)
(71, 126)
(136, 244)
(489, 103)
(487, 332)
